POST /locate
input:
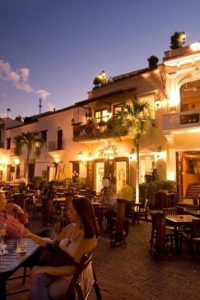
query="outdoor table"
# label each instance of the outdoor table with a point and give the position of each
(59, 199)
(194, 212)
(178, 220)
(11, 262)
(99, 209)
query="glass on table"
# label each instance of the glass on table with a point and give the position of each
(2, 243)
(21, 245)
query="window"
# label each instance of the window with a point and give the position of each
(17, 171)
(190, 96)
(101, 115)
(117, 109)
(44, 135)
(8, 143)
(59, 139)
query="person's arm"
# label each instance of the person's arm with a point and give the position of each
(37, 239)
(55, 271)
(43, 241)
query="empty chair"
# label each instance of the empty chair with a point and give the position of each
(170, 211)
(18, 199)
(193, 237)
(159, 239)
(144, 211)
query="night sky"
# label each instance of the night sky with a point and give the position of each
(54, 48)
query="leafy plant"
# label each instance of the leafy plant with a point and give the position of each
(153, 62)
(177, 40)
(126, 192)
(115, 126)
(137, 117)
(33, 143)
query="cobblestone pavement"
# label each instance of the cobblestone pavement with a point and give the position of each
(134, 273)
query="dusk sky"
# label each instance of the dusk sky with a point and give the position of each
(54, 48)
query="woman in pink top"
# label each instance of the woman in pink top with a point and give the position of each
(13, 217)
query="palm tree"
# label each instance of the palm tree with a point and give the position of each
(33, 143)
(137, 117)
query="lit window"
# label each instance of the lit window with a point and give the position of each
(117, 109)
(101, 115)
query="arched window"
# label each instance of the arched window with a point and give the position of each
(190, 96)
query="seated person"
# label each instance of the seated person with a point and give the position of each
(76, 239)
(13, 217)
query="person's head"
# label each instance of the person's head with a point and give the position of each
(81, 210)
(2, 201)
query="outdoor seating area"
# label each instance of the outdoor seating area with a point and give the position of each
(134, 270)
(140, 242)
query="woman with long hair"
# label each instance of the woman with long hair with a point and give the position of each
(76, 239)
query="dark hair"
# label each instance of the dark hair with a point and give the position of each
(86, 213)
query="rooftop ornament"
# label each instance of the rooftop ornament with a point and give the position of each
(101, 79)
(178, 39)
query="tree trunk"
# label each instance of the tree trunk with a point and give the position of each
(26, 169)
(137, 199)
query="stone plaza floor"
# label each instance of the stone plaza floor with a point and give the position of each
(134, 273)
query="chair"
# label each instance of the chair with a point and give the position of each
(143, 211)
(160, 241)
(78, 288)
(18, 199)
(193, 237)
(170, 211)
(132, 211)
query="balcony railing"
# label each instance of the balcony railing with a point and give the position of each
(93, 131)
(54, 146)
(181, 120)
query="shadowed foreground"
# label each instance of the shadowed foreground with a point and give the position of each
(133, 273)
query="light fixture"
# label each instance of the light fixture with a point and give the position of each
(16, 160)
(158, 153)
(132, 154)
(57, 160)
(158, 103)
(80, 156)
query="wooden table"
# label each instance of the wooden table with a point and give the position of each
(178, 220)
(11, 262)
(193, 212)
(99, 210)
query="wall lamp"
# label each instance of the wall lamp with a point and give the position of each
(132, 155)
(158, 103)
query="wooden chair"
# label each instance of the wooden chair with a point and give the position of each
(160, 240)
(169, 211)
(143, 211)
(18, 199)
(193, 237)
(77, 289)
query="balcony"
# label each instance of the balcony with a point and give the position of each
(178, 121)
(91, 130)
(54, 146)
